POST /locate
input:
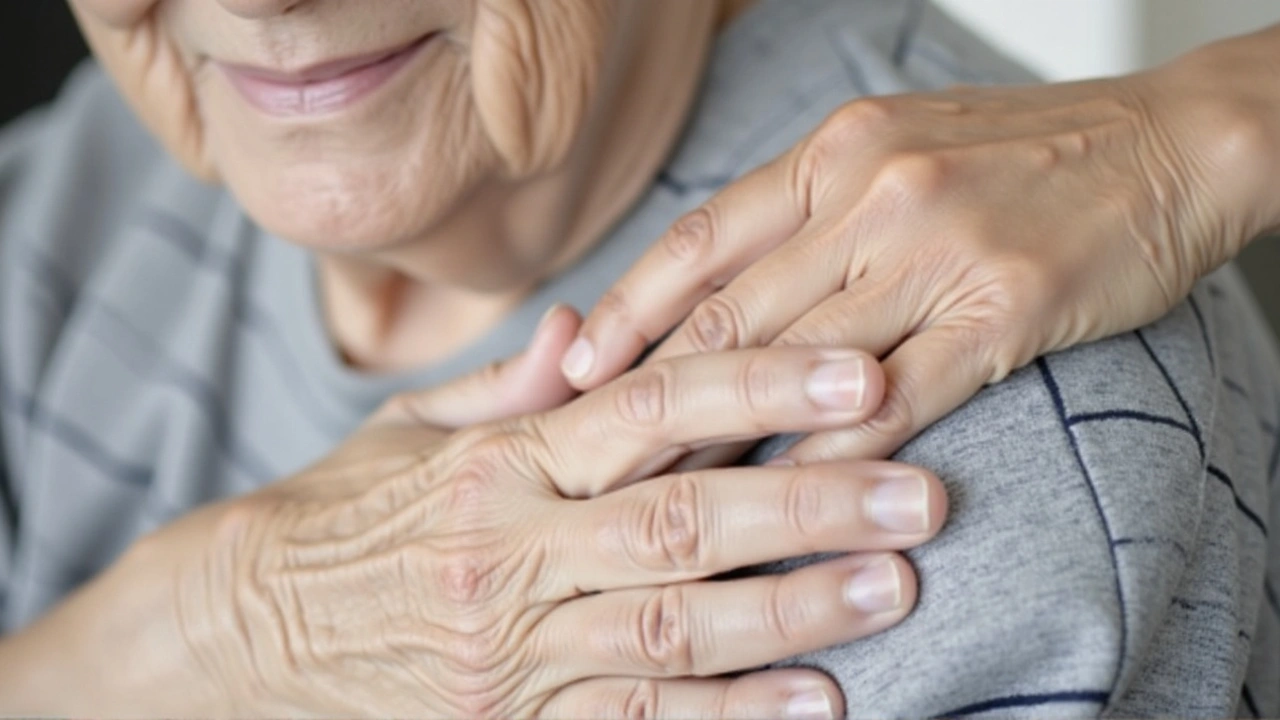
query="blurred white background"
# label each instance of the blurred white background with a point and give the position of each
(1069, 39)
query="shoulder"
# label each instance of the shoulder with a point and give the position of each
(784, 65)
(1109, 515)
(81, 184)
(76, 171)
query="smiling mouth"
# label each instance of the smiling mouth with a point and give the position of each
(319, 89)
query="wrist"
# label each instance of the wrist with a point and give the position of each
(1229, 102)
(113, 648)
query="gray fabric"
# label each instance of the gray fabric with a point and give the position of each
(1106, 552)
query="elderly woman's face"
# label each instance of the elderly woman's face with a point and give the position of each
(355, 124)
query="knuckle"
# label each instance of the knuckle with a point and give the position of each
(1075, 143)
(760, 384)
(896, 417)
(855, 121)
(644, 398)
(692, 237)
(664, 640)
(475, 655)
(477, 689)
(913, 174)
(474, 481)
(847, 128)
(804, 505)
(614, 304)
(786, 615)
(641, 701)
(716, 324)
(466, 576)
(670, 536)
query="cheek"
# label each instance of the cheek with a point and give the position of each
(537, 67)
(135, 48)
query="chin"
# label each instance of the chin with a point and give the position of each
(355, 207)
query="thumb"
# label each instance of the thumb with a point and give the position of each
(529, 382)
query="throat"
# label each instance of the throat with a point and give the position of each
(384, 322)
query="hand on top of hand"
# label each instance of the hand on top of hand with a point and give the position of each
(514, 569)
(958, 235)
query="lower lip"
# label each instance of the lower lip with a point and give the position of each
(322, 97)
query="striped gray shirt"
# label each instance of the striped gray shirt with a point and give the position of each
(1108, 549)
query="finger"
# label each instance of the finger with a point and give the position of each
(690, 526)
(761, 302)
(872, 315)
(694, 258)
(710, 628)
(657, 413)
(927, 377)
(528, 382)
(793, 694)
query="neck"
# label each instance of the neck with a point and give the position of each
(407, 308)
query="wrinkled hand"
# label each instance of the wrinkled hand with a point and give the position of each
(958, 235)
(509, 569)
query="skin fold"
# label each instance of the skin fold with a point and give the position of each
(486, 548)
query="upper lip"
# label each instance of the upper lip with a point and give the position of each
(321, 71)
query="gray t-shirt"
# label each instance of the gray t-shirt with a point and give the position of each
(1107, 550)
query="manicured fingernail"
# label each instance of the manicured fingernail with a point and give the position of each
(875, 588)
(899, 504)
(578, 360)
(809, 705)
(838, 384)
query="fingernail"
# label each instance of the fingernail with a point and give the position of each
(838, 384)
(899, 504)
(578, 360)
(781, 461)
(547, 316)
(809, 705)
(875, 588)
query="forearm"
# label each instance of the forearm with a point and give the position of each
(113, 648)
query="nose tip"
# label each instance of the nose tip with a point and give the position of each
(260, 9)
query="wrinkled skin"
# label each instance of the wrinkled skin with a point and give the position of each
(503, 97)
(960, 234)
(511, 570)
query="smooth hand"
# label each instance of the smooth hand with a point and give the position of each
(514, 569)
(958, 235)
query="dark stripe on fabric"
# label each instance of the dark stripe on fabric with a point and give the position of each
(1173, 387)
(142, 356)
(179, 234)
(1060, 407)
(1249, 702)
(907, 33)
(84, 445)
(185, 238)
(1094, 697)
(1134, 415)
(1177, 546)
(8, 500)
(1253, 517)
(1235, 387)
(852, 69)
